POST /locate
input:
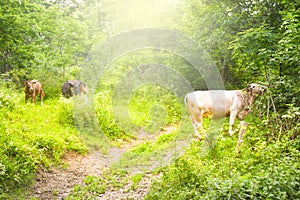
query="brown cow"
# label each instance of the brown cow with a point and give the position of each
(221, 103)
(32, 89)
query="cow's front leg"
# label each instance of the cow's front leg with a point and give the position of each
(26, 98)
(231, 121)
(243, 127)
(33, 99)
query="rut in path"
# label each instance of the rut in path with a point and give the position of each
(58, 183)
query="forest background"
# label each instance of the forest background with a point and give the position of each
(248, 41)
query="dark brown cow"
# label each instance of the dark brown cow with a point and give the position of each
(32, 89)
(73, 87)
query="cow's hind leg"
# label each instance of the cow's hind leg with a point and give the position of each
(197, 124)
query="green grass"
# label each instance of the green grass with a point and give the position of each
(150, 107)
(148, 155)
(154, 107)
(35, 136)
(260, 170)
(31, 136)
(211, 169)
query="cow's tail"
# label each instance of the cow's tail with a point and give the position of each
(186, 101)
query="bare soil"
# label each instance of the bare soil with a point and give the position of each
(57, 183)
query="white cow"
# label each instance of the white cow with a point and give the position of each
(221, 103)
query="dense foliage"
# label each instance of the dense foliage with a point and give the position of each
(51, 37)
(260, 171)
(249, 41)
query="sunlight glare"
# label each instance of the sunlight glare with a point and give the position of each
(142, 13)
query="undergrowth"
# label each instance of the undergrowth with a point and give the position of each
(31, 137)
(260, 170)
(150, 107)
(266, 166)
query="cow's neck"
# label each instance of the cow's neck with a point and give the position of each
(250, 99)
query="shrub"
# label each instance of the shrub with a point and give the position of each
(7, 98)
(150, 107)
(65, 114)
(105, 116)
(261, 171)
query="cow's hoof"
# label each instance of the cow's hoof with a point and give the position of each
(198, 138)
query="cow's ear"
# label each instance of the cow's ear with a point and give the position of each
(70, 83)
(249, 88)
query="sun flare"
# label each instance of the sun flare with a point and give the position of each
(142, 13)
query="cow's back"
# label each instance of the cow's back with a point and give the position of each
(73, 87)
(213, 103)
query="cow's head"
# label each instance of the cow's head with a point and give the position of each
(253, 91)
(28, 86)
(67, 89)
(255, 88)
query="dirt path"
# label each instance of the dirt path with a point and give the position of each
(58, 183)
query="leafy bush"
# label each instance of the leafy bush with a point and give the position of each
(7, 98)
(154, 107)
(285, 91)
(106, 119)
(260, 171)
(278, 110)
(150, 107)
(65, 114)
